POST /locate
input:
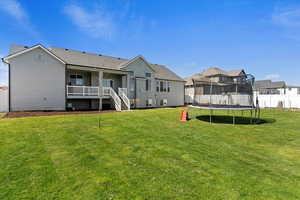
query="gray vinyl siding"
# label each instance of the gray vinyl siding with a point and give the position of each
(174, 98)
(37, 82)
(140, 68)
(176, 95)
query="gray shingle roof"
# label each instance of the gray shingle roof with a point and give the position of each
(100, 61)
(206, 74)
(16, 48)
(162, 72)
(216, 71)
(88, 59)
(212, 71)
(268, 84)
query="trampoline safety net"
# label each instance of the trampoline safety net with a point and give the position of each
(236, 92)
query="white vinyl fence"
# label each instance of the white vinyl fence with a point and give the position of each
(3, 100)
(278, 101)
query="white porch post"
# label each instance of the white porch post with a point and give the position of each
(100, 75)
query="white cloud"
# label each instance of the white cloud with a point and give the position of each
(3, 73)
(97, 23)
(272, 76)
(101, 21)
(14, 9)
(288, 18)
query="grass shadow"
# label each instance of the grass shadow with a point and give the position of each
(226, 119)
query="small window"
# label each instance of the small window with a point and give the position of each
(163, 102)
(298, 91)
(149, 102)
(148, 75)
(161, 86)
(157, 86)
(169, 86)
(148, 85)
(165, 86)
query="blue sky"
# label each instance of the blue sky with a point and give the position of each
(262, 37)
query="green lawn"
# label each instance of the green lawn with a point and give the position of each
(149, 154)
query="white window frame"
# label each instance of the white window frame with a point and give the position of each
(166, 86)
(149, 102)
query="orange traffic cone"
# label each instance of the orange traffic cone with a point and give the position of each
(183, 117)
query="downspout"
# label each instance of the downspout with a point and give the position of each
(66, 108)
(135, 93)
(9, 104)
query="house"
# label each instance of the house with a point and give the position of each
(54, 78)
(3, 99)
(276, 94)
(216, 86)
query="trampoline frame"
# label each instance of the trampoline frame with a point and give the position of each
(254, 117)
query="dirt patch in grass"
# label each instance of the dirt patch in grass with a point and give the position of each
(50, 113)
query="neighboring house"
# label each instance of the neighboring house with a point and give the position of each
(58, 79)
(216, 86)
(3, 99)
(276, 94)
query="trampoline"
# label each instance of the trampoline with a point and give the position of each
(231, 93)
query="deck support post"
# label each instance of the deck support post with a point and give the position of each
(210, 116)
(100, 74)
(233, 120)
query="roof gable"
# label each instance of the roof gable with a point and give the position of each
(7, 58)
(124, 65)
